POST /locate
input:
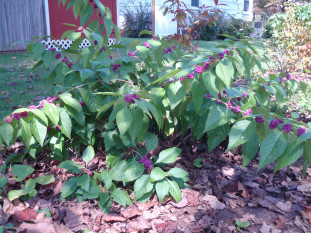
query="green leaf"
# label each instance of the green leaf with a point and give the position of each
(124, 120)
(162, 188)
(224, 73)
(145, 32)
(177, 172)
(169, 155)
(272, 147)
(291, 155)
(67, 99)
(71, 166)
(65, 124)
(52, 112)
(47, 212)
(69, 188)
(108, 139)
(151, 141)
(142, 186)
(143, 51)
(240, 133)
(117, 171)
(84, 182)
(210, 82)
(26, 133)
(39, 130)
(106, 178)
(157, 174)
(6, 132)
(198, 162)
(216, 136)
(3, 182)
(22, 171)
(15, 158)
(294, 115)
(104, 202)
(242, 224)
(92, 101)
(250, 149)
(40, 114)
(197, 94)
(306, 157)
(48, 58)
(169, 74)
(174, 190)
(304, 87)
(45, 179)
(133, 172)
(13, 194)
(78, 116)
(121, 197)
(88, 154)
(37, 49)
(217, 116)
(175, 94)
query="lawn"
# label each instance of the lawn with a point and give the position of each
(22, 87)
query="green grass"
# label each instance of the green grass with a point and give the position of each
(20, 87)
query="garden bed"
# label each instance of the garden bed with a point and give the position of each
(220, 193)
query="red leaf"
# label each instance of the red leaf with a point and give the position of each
(280, 223)
(216, 2)
(27, 215)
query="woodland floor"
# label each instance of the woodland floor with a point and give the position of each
(220, 193)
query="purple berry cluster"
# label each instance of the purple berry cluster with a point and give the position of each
(168, 50)
(147, 162)
(147, 45)
(115, 67)
(48, 99)
(129, 98)
(131, 54)
(66, 61)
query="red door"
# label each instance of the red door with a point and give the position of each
(59, 15)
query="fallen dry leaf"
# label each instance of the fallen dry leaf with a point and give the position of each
(308, 213)
(27, 215)
(131, 212)
(192, 197)
(213, 202)
(112, 218)
(280, 223)
(38, 227)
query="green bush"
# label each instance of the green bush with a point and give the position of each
(235, 27)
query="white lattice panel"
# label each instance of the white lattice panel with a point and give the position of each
(65, 44)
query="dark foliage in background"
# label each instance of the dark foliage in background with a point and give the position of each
(137, 19)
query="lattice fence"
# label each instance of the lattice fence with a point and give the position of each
(65, 44)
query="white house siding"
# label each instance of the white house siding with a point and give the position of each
(164, 25)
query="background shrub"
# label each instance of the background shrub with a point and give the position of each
(267, 30)
(290, 46)
(137, 17)
(235, 27)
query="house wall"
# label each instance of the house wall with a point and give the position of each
(58, 15)
(164, 25)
